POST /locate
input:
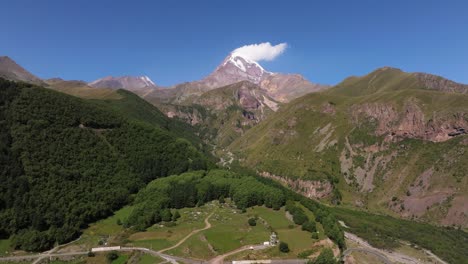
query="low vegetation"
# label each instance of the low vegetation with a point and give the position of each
(326, 257)
(385, 232)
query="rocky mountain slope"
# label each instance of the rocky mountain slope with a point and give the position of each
(139, 84)
(224, 114)
(12, 71)
(202, 102)
(390, 142)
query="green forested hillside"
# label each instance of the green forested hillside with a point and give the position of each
(66, 162)
(137, 109)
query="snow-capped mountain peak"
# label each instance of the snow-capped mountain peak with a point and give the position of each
(243, 63)
(237, 68)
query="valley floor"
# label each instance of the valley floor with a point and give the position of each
(216, 233)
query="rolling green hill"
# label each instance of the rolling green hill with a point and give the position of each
(66, 162)
(386, 141)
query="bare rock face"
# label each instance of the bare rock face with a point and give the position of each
(191, 116)
(231, 110)
(438, 83)
(246, 95)
(412, 122)
(311, 189)
(328, 108)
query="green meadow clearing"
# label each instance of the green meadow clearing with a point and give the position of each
(229, 231)
(159, 237)
(299, 241)
(4, 246)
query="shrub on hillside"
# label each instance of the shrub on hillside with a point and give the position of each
(252, 222)
(284, 247)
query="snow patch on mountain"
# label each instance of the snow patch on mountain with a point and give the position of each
(147, 81)
(243, 63)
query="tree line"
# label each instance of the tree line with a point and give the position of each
(196, 188)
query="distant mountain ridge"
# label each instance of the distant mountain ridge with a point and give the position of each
(235, 68)
(393, 79)
(131, 83)
(10, 70)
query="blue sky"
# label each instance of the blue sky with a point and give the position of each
(177, 41)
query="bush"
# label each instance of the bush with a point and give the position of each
(309, 226)
(166, 215)
(175, 216)
(252, 222)
(112, 256)
(284, 247)
(91, 254)
(299, 217)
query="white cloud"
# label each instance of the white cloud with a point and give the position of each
(262, 51)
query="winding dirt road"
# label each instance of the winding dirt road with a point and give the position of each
(220, 259)
(207, 226)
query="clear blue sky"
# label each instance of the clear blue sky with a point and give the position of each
(176, 41)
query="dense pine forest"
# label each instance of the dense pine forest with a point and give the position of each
(65, 162)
